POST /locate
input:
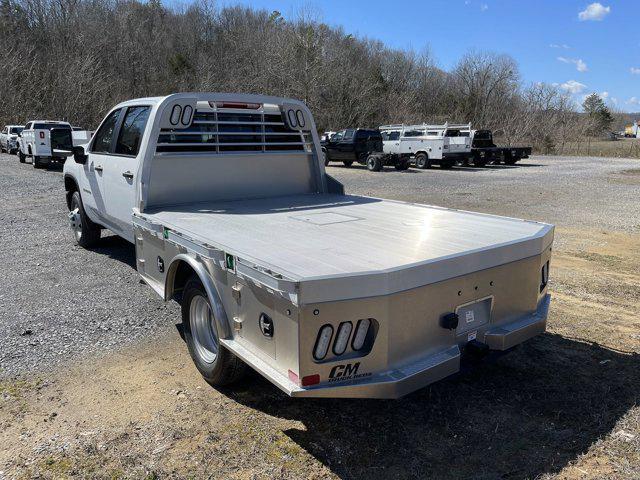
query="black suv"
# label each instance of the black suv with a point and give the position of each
(351, 145)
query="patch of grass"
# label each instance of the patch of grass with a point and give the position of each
(627, 148)
(58, 467)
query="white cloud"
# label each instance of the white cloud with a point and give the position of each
(595, 11)
(580, 65)
(604, 95)
(484, 7)
(560, 45)
(572, 86)
(635, 70)
(633, 101)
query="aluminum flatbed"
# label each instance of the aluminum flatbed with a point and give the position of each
(389, 246)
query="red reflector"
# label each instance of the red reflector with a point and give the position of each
(249, 106)
(294, 377)
(310, 380)
(41, 134)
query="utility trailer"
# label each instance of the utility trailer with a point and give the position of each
(484, 150)
(428, 145)
(325, 294)
(45, 141)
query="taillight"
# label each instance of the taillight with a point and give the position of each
(342, 338)
(544, 276)
(322, 342)
(42, 135)
(362, 328)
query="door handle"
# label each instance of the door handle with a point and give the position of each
(98, 168)
(127, 174)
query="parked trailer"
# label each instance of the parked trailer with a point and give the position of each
(325, 294)
(427, 144)
(45, 141)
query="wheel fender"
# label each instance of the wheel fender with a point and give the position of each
(219, 314)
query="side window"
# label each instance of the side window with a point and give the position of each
(348, 134)
(394, 135)
(104, 136)
(132, 130)
(338, 136)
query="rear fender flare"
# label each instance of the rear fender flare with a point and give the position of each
(219, 314)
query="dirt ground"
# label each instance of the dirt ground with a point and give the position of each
(563, 405)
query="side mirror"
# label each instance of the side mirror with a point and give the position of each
(79, 155)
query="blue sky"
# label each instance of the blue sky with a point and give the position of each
(581, 45)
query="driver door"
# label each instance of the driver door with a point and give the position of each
(92, 183)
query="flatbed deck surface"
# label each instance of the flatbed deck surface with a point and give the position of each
(322, 236)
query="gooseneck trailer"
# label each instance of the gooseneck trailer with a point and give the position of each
(325, 294)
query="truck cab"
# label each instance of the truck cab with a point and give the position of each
(325, 294)
(351, 145)
(9, 138)
(45, 141)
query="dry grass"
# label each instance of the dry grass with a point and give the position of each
(564, 405)
(622, 148)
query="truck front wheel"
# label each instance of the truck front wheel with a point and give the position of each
(84, 230)
(215, 363)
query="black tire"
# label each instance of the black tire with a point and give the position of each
(87, 234)
(402, 165)
(374, 163)
(348, 163)
(22, 157)
(422, 161)
(511, 160)
(37, 163)
(224, 368)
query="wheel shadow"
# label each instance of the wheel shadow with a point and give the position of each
(526, 414)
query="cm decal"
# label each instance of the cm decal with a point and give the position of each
(347, 371)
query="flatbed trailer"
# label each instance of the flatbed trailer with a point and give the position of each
(324, 294)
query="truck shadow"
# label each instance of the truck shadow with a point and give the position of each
(526, 414)
(116, 248)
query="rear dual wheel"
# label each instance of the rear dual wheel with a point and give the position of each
(374, 163)
(215, 363)
(21, 157)
(422, 161)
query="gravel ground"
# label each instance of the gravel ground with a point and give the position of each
(59, 301)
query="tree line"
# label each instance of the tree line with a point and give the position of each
(75, 59)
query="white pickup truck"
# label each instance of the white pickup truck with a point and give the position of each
(428, 145)
(9, 138)
(325, 294)
(45, 141)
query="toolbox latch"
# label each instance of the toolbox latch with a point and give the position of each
(449, 321)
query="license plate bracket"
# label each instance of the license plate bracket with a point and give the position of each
(474, 314)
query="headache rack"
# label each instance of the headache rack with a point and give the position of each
(257, 129)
